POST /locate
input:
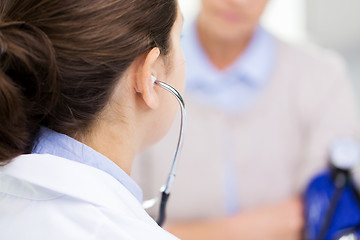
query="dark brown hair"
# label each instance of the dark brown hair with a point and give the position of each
(60, 59)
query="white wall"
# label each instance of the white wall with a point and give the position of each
(189, 8)
(286, 19)
(335, 23)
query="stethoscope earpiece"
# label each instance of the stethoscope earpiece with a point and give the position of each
(154, 79)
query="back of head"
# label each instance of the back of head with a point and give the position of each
(60, 59)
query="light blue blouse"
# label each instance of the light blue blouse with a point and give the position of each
(54, 143)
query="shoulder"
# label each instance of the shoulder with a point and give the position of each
(95, 209)
(65, 218)
(316, 77)
(313, 59)
(312, 71)
(96, 222)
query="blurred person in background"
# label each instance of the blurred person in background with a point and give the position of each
(261, 115)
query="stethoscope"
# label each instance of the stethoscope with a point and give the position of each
(165, 189)
(344, 155)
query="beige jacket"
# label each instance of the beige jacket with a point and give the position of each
(279, 144)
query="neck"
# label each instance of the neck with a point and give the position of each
(220, 51)
(114, 141)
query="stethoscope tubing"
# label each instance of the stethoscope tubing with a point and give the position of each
(179, 98)
(165, 191)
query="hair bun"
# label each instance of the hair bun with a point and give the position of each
(28, 85)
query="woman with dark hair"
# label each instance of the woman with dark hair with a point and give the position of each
(77, 103)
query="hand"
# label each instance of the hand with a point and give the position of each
(281, 221)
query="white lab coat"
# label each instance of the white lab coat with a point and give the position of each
(44, 197)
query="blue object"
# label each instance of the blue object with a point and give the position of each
(332, 207)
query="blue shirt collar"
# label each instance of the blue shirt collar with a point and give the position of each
(256, 63)
(51, 142)
(235, 88)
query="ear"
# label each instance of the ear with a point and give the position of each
(144, 82)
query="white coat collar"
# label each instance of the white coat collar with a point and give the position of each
(61, 145)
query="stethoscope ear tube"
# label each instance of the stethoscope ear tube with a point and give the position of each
(344, 155)
(165, 191)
